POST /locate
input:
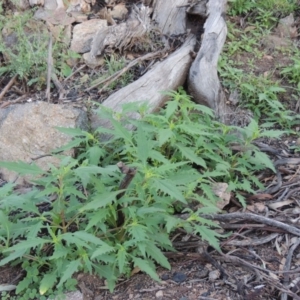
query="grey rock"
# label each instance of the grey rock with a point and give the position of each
(84, 33)
(179, 277)
(119, 11)
(28, 131)
(92, 61)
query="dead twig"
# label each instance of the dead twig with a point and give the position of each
(264, 273)
(51, 75)
(118, 74)
(255, 218)
(284, 161)
(75, 72)
(18, 91)
(287, 267)
(7, 87)
(279, 286)
(18, 100)
(252, 242)
(130, 172)
(158, 288)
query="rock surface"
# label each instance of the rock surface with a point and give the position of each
(84, 33)
(27, 131)
(73, 296)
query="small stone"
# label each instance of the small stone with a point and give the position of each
(84, 33)
(214, 275)
(159, 294)
(91, 61)
(165, 276)
(179, 277)
(119, 12)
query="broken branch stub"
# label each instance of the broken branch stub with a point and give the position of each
(124, 35)
(170, 16)
(203, 81)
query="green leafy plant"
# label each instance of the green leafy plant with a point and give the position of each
(292, 72)
(27, 55)
(81, 217)
(239, 7)
(113, 64)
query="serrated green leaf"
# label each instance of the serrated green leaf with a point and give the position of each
(59, 252)
(149, 210)
(184, 177)
(169, 188)
(34, 230)
(155, 155)
(169, 167)
(208, 235)
(146, 267)
(252, 128)
(264, 159)
(47, 283)
(85, 173)
(138, 232)
(28, 244)
(72, 267)
(94, 154)
(71, 190)
(72, 144)
(206, 110)
(87, 237)
(101, 200)
(121, 258)
(248, 86)
(277, 89)
(121, 131)
(108, 273)
(171, 223)
(273, 133)
(164, 135)
(14, 255)
(190, 154)
(70, 238)
(6, 189)
(157, 255)
(143, 146)
(241, 199)
(22, 167)
(23, 285)
(171, 108)
(97, 217)
(72, 131)
(103, 249)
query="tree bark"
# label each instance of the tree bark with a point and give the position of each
(203, 81)
(170, 16)
(166, 75)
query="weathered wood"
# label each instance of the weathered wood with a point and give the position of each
(170, 16)
(197, 7)
(125, 35)
(203, 81)
(166, 75)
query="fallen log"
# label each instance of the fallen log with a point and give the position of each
(203, 81)
(166, 75)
